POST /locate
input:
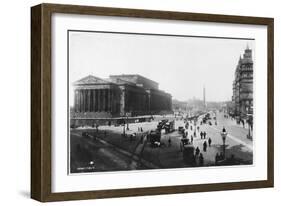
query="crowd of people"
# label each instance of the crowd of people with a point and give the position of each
(198, 157)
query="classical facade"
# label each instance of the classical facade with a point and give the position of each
(118, 96)
(242, 86)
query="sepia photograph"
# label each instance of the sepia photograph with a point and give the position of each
(141, 101)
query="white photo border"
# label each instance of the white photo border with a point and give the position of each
(62, 182)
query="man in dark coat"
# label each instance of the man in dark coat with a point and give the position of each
(197, 151)
(205, 146)
(210, 141)
(201, 159)
(201, 134)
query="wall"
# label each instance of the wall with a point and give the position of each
(15, 102)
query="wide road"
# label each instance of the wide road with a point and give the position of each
(113, 152)
(237, 143)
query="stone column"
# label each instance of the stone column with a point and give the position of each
(112, 109)
(109, 100)
(82, 100)
(102, 100)
(75, 100)
(105, 95)
(149, 101)
(98, 100)
(94, 100)
(85, 100)
(122, 101)
(89, 100)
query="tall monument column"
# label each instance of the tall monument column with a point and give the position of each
(204, 96)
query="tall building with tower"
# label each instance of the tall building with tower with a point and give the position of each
(242, 86)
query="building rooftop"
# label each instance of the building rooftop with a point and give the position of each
(90, 79)
(128, 79)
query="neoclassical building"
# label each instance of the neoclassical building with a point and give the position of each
(243, 85)
(118, 96)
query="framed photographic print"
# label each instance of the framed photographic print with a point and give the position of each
(130, 102)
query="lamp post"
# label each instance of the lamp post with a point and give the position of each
(223, 135)
(124, 126)
(249, 136)
(249, 132)
(127, 122)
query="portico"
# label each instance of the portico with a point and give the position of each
(117, 96)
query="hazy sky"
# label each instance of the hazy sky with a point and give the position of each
(181, 65)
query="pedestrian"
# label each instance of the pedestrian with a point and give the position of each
(191, 138)
(141, 129)
(193, 160)
(205, 146)
(204, 133)
(243, 123)
(142, 137)
(190, 127)
(201, 134)
(201, 159)
(198, 128)
(217, 158)
(197, 151)
(210, 141)
(169, 142)
(221, 157)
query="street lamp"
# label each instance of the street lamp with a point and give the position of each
(223, 135)
(249, 136)
(124, 123)
(127, 122)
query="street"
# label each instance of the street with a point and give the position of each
(108, 150)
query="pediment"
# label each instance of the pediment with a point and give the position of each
(90, 80)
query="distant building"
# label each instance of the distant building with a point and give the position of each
(118, 96)
(243, 85)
